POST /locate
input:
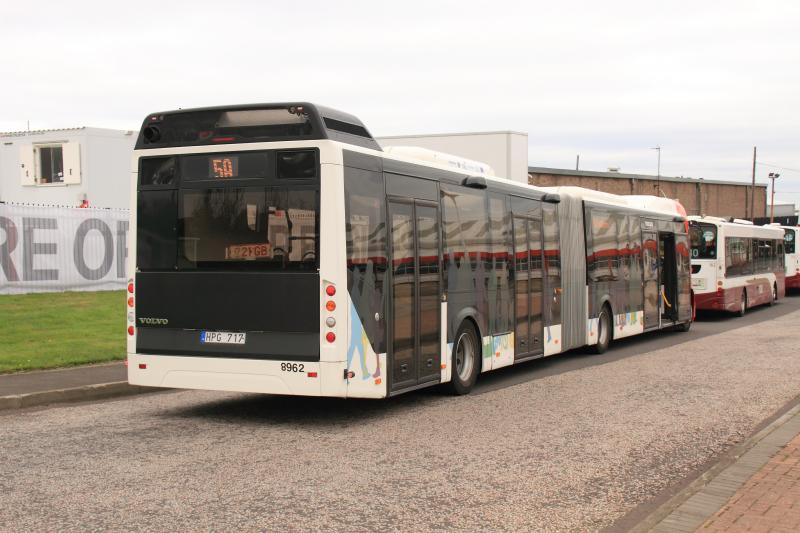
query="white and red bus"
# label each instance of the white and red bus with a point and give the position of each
(790, 248)
(735, 264)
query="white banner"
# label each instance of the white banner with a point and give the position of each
(46, 249)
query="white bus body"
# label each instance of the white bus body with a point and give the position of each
(791, 234)
(735, 265)
(418, 274)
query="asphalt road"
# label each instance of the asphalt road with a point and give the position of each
(569, 443)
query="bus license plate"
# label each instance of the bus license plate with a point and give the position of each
(222, 337)
(698, 283)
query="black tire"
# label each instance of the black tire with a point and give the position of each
(605, 331)
(743, 306)
(683, 327)
(774, 298)
(465, 361)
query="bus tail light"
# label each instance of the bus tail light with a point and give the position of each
(142, 366)
(130, 287)
(130, 301)
(312, 374)
(131, 330)
(330, 290)
(330, 305)
(330, 337)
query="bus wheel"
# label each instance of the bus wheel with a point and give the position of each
(465, 360)
(743, 304)
(684, 326)
(604, 330)
(774, 295)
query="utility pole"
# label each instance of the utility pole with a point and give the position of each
(658, 172)
(753, 189)
(578, 162)
(773, 176)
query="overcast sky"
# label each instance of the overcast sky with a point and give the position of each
(706, 81)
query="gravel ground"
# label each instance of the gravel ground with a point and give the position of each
(573, 451)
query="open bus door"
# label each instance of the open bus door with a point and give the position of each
(668, 274)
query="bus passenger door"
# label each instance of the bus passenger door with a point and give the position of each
(528, 277)
(668, 275)
(650, 279)
(416, 293)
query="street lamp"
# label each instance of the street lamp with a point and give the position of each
(773, 176)
(658, 172)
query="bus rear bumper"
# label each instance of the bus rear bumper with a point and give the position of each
(236, 375)
(793, 282)
(721, 300)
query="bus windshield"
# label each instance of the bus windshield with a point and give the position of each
(704, 240)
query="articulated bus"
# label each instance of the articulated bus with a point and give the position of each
(278, 249)
(735, 265)
(790, 248)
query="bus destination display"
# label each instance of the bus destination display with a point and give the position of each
(223, 167)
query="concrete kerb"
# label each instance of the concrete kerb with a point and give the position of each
(77, 394)
(661, 514)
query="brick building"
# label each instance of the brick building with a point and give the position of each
(698, 196)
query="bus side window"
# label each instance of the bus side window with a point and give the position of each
(365, 225)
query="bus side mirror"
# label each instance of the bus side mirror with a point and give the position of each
(551, 198)
(476, 182)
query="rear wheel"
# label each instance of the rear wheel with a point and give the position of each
(465, 361)
(604, 330)
(774, 294)
(742, 304)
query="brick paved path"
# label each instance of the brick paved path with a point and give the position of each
(768, 501)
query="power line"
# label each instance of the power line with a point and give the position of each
(776, 166)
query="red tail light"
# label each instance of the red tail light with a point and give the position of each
(330, 337)
(130, 288)
(330, 290)
(130, 301)
(130, 330)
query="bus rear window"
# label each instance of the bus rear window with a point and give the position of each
(788, 240)
(704, 240)
(251, 227)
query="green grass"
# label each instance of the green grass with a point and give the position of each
(50, 330)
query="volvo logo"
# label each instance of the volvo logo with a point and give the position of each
(154, 321)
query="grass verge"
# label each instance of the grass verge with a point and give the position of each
(49, 330)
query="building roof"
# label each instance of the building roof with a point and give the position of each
(620, 175)
(459, 134)
(37, 132)
(62, 130)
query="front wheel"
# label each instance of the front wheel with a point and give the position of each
(465, 360)
(774, 299)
